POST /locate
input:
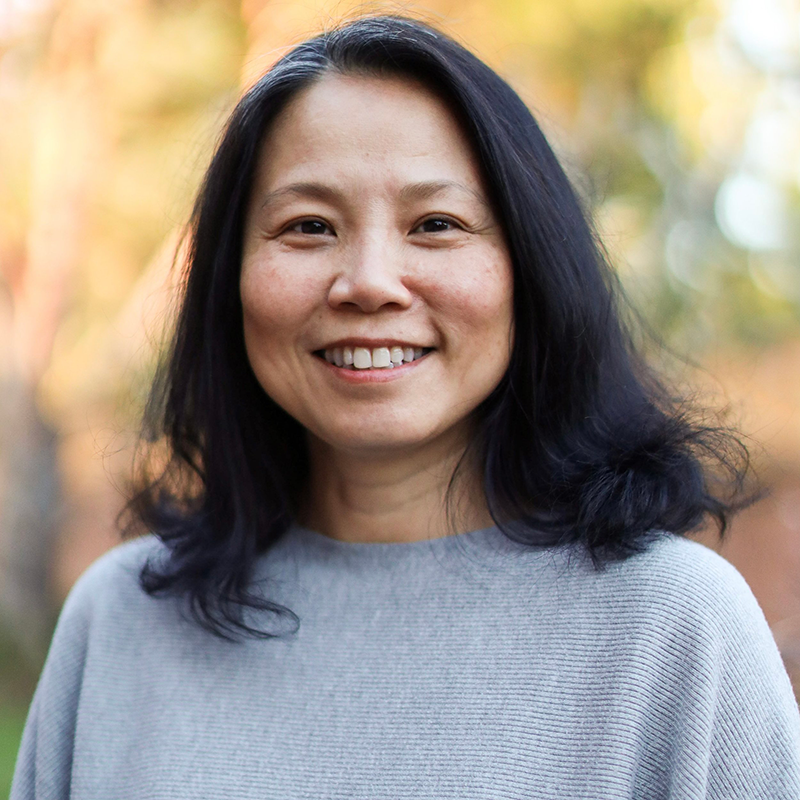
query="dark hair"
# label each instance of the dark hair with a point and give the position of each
(578, 444)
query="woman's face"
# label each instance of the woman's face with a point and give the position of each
(369, 239)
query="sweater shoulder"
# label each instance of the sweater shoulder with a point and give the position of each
(677, 590)
(112, 581)
(681, 572)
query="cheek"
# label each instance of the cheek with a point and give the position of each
(274, 301)
(477, 298)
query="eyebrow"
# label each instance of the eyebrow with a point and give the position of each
(316, 191)
(422, 190)
(427, 189)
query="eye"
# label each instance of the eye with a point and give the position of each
(312, 227)
(436, 225)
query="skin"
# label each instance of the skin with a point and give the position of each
(369, 222)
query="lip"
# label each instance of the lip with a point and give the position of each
(363, 376)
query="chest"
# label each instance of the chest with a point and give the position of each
(361, 716)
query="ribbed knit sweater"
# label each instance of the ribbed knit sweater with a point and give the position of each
(464, 667)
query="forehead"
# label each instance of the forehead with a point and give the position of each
(352, 127)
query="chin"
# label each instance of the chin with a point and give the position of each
(376, 440)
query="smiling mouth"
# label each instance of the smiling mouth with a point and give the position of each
(363, 358)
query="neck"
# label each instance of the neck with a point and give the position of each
(392, 497)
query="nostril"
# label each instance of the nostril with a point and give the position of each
(369, 291)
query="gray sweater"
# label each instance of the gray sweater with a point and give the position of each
(465, 667)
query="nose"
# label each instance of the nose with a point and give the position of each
(371, 278)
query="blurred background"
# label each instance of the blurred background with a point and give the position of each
(678, 119)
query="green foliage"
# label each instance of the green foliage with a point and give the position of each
(12, 721)
(17, 683)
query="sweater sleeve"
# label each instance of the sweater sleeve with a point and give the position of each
(44, 762)
(735, 729)
(756, 752)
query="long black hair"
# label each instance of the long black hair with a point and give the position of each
(579, 444)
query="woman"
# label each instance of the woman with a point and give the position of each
(417, 488)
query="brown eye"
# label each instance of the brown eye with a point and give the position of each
(435, 225)
(311, 226)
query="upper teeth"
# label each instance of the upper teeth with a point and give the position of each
(379, 357)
